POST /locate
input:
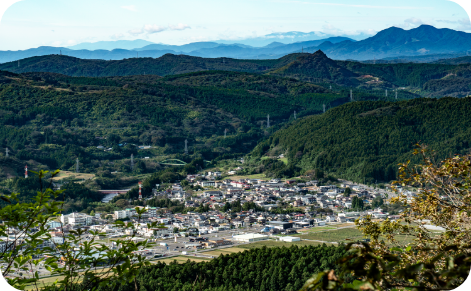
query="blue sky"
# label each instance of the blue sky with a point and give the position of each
(33, 23)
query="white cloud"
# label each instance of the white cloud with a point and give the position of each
(130, 8)
(465, 24)
(154, 28)
(412, 23)
(179, 26)
(357, 5)
(117, 36)
(136, 32)
(330, 29)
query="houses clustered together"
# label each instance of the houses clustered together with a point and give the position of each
(267, 195)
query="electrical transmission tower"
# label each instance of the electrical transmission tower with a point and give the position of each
(186, 147)
(77, 166)
(6, 152)
(268, 120)
(132, 162)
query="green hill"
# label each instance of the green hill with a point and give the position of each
(314, 68)
(166, 65)
(317, 67)
(52, 119)
(369, 139)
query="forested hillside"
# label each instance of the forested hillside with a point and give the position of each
(369, 139)
(165, 65)
(264, 269)
(315, 68)
(50, 119)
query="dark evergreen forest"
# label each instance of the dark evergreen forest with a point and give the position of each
(369, 139)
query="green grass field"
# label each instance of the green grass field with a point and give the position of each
(273, 243)
(339, 235)
(226, 251)
(181, 259)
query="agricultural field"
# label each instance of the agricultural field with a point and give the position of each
(316, 229)
(74, 176)
(273, 243)
(255, 176)
(226, 251)
(181, 259)
(339, 235)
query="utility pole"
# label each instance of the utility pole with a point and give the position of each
(77, 166)
(186, 147)
(386, 92)
(6, 152)
(268, 120)
(140, 191)
(396, 94)
(132, 162)
(295, 115)
(323, 105)
(351, 95)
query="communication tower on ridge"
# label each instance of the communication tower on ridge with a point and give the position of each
(26, 171)
(140, 190)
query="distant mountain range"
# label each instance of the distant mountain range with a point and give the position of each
(111, 45)
(425, 43)
(199, 49)
(290, 37)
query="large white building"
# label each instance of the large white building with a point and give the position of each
(251, 237)
(77, 219)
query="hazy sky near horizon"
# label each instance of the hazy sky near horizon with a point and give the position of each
(32, 23)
